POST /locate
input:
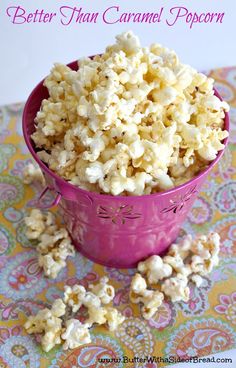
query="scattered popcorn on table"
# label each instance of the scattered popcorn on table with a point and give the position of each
(76, 334)
(32, 174)
(48, 322)
(35, 224)
(206, 251)
(58, 325)
(104, 291)
(176, 288)
(151, 299)
(186, 261)
(54, 243)
(155, 269)
(132, 121)
(73, 296)
(113, 318)
(196, 279)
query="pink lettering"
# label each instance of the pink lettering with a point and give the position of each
(17, 14)
(68, 13)
(182, 12)
(76, 14)
(106, 14)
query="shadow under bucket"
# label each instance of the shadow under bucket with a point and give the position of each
(116, 231)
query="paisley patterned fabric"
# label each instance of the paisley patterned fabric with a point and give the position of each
(205, 325)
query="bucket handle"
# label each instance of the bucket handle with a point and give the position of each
(55, 202)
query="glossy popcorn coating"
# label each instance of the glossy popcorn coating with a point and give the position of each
(132, 121)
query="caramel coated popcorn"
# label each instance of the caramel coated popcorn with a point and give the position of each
(58, 325)
(186, 261)
(54, 243)
(132, 121)
(32, 174)
(49, 323)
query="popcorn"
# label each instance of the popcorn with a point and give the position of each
(205, 253)
(96, 315)
(74, 296)
(91, 300)
(76, 334)
(132, 121)
(182, 249)
(58, 308)
(155, 269)
(114, 318)
(32, 174)
(104, 291)
(54, 244)
(151, 299)
(175, 262)
(176, 288)
(137, 288)
(196, 279)
(186, 261)
(48, 322)
(52, 334)
(36, 324)
(35, 224)
(58, 325)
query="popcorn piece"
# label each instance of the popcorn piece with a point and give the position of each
(138, 284)
(176, 288)
(175, 262)
(207, 246)
(188, 260)
(53, 262)
(74, 296)
(155, 269)
(37, 324)
(76, 334)
(58, 326)
(205, 251)
(152, 300)
(137, 288)
(203, 266)
(196, 279)
(96, 315)
(114, 318)
(52, 334)
(32, 174)
(47, 322)
(91, 300)
(182, 249)
(35, 224)
(104, 291)
(58, 308)
(132, 121)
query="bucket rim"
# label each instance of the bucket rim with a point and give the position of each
(131, 198)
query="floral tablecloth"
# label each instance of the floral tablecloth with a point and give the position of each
(205, 325)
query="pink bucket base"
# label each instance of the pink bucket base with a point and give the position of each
(116, 231)
(98, 260)
(113, 264)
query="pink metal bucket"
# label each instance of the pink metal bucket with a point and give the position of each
(116, 231)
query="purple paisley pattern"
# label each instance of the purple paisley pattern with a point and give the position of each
(227, 307)
(225, 197)
(198, 302)
(201, 212)
(11, 191)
